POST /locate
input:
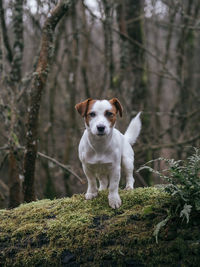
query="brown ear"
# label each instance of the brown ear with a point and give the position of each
(117, 104)
(83, 107)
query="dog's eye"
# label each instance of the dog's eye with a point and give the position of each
(109, 114)
(92, 114)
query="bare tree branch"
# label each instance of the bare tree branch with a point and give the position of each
(64, 167)
(124, 35)
(172, 145)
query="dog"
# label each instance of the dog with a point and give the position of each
(103, 149)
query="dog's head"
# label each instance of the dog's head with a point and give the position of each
(100, 115)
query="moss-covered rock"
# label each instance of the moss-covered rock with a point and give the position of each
(76, 232)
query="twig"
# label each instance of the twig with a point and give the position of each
(173, 76)
(6, 147)
(4, 186)
(65, 167)
(3, 160)
(143, 182)
(185, 142)
(166, 113)
(187, 116)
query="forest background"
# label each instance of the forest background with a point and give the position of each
(145, 53)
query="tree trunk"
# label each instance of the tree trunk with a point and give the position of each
(108, 46)
(13, 85)
(85, 57)
(131, 26)
(1, 53)
(124, 42)
(18, 46)
(73, 59)
(135, 30)
(185, 69)
(38, 85)
(14, 182)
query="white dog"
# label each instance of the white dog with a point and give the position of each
(103, 148)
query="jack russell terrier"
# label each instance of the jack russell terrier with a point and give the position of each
(103, 148)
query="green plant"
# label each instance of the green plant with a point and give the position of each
(183, 177)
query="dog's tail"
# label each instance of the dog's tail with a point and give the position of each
(133, 129)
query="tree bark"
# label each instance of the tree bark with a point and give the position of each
(13, 84)
(38, 85)
(85, 57)
(135, 30)
(131, 24)
(108, 46)
(185, 70)
(18, 46)
(73, 59)
(1, 53)
(14, 183)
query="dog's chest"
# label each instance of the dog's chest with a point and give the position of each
(98, 159)
(102, 156)
(100, 169)
(102, 153)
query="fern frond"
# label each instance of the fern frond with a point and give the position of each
(183, 179)
(186, 212)
(159, 226)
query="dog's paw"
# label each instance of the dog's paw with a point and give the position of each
(115, 201)
(128, 187)
(89, 196)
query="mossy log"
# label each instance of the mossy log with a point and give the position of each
(76, 232)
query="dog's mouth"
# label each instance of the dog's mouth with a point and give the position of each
(101, 134)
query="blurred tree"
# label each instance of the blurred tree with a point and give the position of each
(72, 82)
(108, 10)
(12, 84)
(85, 57)
(132, 51)
(38, 85)
(130, 16)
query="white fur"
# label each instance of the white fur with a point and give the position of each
(102, 156)
(99, 108)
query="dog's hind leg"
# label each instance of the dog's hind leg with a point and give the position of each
(103, 183)
(128, 165)
(92, 190)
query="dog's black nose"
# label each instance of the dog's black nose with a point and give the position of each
(101, 128)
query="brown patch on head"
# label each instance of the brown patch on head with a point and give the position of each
(88, 116)
(111, 115)
(84, 108)
(117, 105)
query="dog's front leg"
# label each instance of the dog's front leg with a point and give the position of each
(92, 190)
(113, 197)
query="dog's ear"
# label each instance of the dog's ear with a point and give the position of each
(117, 104)
(82, 107)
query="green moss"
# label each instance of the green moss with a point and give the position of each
(90, 233)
